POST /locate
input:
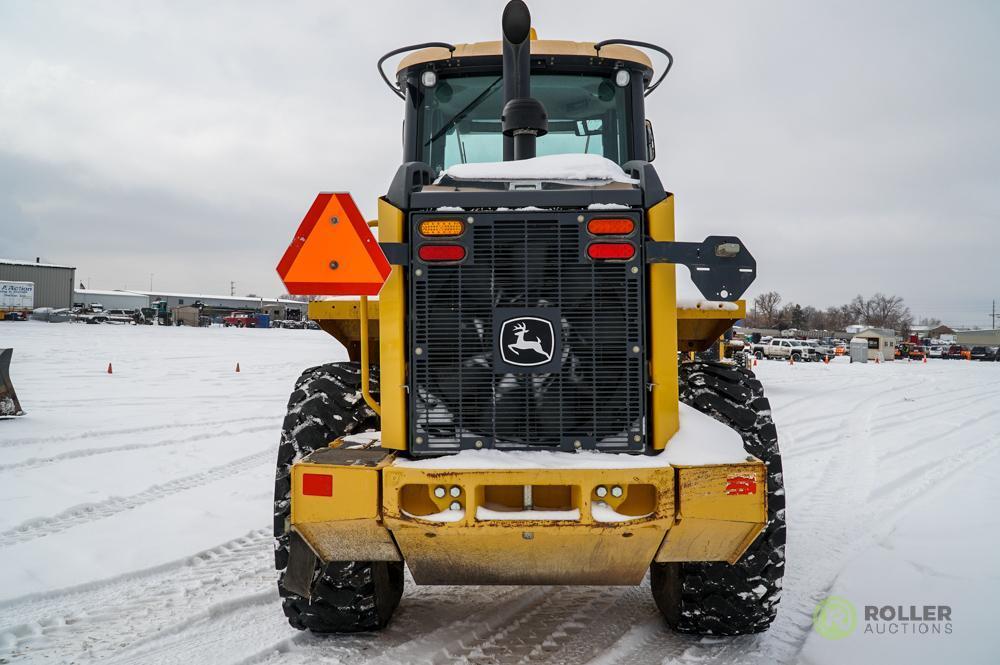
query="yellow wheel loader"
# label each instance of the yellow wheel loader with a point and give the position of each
(523, 402)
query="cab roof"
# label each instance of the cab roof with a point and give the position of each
(543, 47)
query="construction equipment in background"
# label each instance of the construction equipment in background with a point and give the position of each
(9, 404)
(511, 412)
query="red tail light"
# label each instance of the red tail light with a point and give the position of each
(611, 227)
(621, 251)
(442, 253)
(317, 484)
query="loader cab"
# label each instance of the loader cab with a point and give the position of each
(594, 104)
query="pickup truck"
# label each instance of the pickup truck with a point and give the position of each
(240, 320)
(956, 352)
(821, 348)
(795, 349)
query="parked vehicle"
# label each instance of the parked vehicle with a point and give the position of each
(956, 352)
(936, 351)
(987, 353)
(826, 348)
(121, 315)
(790, 348)
(910, 351)
(240, 320)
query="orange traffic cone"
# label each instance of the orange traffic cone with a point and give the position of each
(877, 360)
(755, 361)
(925, 360)
(826, 360)
(791, 360)
(237, 368)
(109, 369)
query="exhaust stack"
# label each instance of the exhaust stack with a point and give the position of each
(523, 117)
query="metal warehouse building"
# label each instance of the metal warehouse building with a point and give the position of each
(978, 337)
(53, 283)
(111, 299)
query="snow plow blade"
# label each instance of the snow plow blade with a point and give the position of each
(525, 526)
(9, 406)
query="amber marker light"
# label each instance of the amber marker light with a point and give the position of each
(436, 228)
(610, 227)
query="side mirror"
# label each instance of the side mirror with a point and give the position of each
(650, 142)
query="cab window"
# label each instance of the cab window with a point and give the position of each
(459, 119)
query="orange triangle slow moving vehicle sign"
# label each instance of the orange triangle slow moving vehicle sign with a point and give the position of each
(334, 253)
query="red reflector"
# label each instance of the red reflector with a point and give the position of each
(442, 253)
(611, 227)
(611, 250)
(317, 484)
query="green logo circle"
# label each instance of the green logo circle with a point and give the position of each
(835, 618)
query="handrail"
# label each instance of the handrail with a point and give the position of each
(403, 49)
(632, 42)
(365, 368)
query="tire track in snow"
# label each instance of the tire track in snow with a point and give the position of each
(89, 512)
(465, 636)
(100, 618)
(207, 636)
(839, 516)
(534, 628)
(128, 447)
(13, 443)
(409, 637)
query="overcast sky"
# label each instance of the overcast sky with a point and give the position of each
(854, 146)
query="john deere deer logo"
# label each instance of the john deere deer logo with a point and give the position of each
(526, 341)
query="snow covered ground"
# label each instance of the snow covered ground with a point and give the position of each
(135, 520)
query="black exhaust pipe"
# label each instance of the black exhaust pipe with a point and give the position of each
(523, 117)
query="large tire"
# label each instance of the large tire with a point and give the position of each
(716, 598)
(346, 596)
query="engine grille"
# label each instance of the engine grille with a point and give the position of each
(460, 399)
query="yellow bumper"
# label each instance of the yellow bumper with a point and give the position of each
(528, 526)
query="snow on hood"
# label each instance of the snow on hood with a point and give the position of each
(571, 167)
(701, 440)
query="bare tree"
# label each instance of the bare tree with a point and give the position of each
(879, 311)
(766, 307)
(814, 319)
(838, 318)
(882, 311)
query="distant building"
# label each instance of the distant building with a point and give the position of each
(110, 299)
(221, 303)
(53, 283)
(933, 332)
(118, 299)
(986, 337)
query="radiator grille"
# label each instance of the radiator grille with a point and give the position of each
(595, 400)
